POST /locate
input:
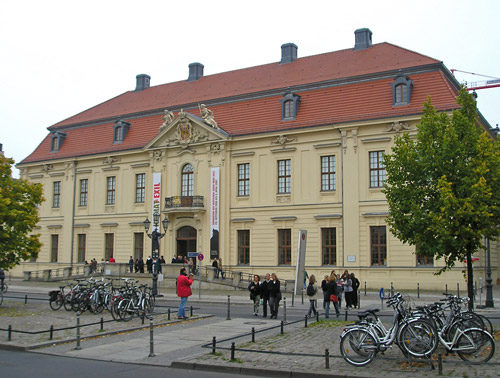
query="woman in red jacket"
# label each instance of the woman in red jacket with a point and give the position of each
(184, 283)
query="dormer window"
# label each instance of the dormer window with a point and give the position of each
(401, 90)
(56, 141)
(289, 106)
(120, 130)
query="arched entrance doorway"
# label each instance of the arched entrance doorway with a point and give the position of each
(186, 241)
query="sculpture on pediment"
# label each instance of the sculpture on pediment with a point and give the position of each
(208, 116)
(168, 117)
(109, 160)
(186, 133)
(47, 167)
(397, 127)
(282, 139)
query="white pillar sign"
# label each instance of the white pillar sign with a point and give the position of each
(214, 212)
(156, 200)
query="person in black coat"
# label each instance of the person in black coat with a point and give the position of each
(274, 295)
(331, 289)
(264, 291)
(141, 265)
(324, 284)
(255, 290)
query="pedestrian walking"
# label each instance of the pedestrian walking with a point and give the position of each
(312, 291)
(274, 295)
(331, 296)
(324, 288)
(265, 294)
(184, 282)
(255, 289)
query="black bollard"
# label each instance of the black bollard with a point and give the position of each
(440, 364)
(293, 298)
(327, 359)
(228, 307)
(392, 289)
(317, 316)
(284, 309)
(191, 311)
(9, 333)
(365, 288)
(151, 342)
(26, 299)
(102, 324)
(418, 289)
(458, 289)
(346, 313)
(214, 343)
(446, 289)
(51, 332)
(78, 347)
(282, 327)
(253, 334)
(305, 321)
(302, 293)
(359, 299)
(168, 314)
(232, 351)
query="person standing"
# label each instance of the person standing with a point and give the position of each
(184, 283)
(332, 291)
(312, 291)
(255, 289)
(355, 287)
(131, 264)
(265, 294)
(324, 288)
(215, 265)
(340, 289)
(274, 295)
(149, 264)
(348, 291)
(141, 265)
(220, 268)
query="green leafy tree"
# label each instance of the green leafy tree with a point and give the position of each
(18, 216)
(443, 188)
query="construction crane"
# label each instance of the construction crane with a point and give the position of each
(493, 82)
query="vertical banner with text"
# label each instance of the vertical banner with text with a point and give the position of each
(301, 262)
(214, 212)
(156, 200)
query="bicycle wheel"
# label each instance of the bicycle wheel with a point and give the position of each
(5, 287)
(475, 346)
(68, 302)
(358, 346)
(487, 324)
(1, 298)
(463, 323)
(57, 303)
(418, 337)
(124, 310)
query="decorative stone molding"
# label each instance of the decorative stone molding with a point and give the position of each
(47, 167)
(109, 160)
(355, 140)
(343, 135)
(397, 127)
(282, 139)
(284, 199)
(185, 133)
(156, 155)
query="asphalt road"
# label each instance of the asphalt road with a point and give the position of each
(36, 365)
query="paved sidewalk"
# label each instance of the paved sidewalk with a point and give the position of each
(298, 352)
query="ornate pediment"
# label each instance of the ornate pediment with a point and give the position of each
(186, 129)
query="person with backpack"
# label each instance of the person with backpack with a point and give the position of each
(312, 291)
(255, 289)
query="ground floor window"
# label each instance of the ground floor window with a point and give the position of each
(138, 245)
(54, 247)
(109, 244)
(378, 243)
(243, 247)
(284, 247)
(329, 246)
(425, 260)
(82, 242)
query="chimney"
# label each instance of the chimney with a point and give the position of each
(195, 71)
(363, 39)
(288, 53)
(142, 82)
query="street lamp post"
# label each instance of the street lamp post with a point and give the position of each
(489, 286)
(155, 237)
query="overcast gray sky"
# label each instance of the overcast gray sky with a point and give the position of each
(59, 58)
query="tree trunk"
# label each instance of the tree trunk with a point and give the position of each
(470, 281)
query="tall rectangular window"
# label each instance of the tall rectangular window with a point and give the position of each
(138, 245)
(54, 247)
(244, 179)
(329, 246)
(56, 198)
(424, 260)
(82, 243)
(378, 244)
(285, 247)
(243, 247)
(109, 240)
(110, 190)
(284, 176)
(140, 187)
(328, 173)
(187, 188)
(84, 192)
(377, 169)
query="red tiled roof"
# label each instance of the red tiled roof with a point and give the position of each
(362, 100)
(318, 68)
